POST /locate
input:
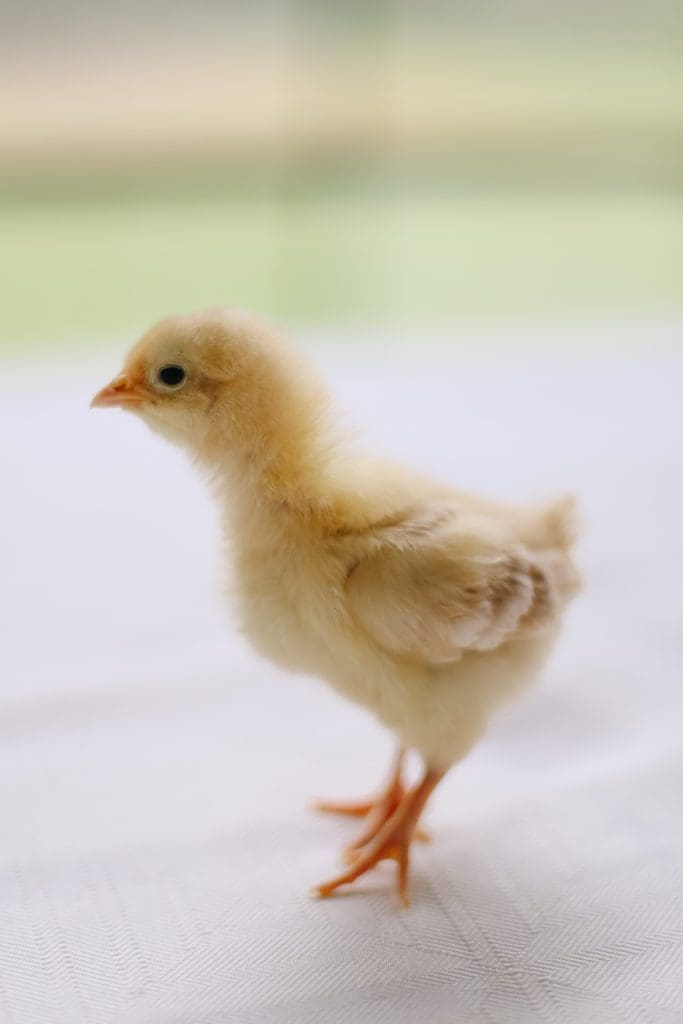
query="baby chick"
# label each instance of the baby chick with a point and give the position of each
(426, 605)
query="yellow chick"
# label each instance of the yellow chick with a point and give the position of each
(426, 605)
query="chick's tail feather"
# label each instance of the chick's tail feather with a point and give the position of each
(561, 521)
(562, 526)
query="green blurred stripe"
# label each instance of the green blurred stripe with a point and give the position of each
(85, 270)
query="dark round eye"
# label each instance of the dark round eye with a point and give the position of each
(171, 376)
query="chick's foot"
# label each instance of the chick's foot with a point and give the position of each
(391, 841)
(376, 810)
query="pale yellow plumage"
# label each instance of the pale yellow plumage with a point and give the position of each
(426, 605)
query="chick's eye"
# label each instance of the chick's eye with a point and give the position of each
(171, 376)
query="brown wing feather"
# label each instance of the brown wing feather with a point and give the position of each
(430, 589)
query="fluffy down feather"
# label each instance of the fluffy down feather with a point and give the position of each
(433, 593)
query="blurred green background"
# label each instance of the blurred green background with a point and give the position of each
(389, 163)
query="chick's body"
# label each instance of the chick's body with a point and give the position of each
(312, 598)
(426, 605)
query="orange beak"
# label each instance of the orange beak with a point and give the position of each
(119, 392)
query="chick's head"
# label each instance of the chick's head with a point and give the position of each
(215, 380)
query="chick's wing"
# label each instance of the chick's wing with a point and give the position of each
(433, 585)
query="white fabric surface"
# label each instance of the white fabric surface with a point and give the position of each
(156, 849)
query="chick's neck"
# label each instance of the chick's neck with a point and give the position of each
(288, 468)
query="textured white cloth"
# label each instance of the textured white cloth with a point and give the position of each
(156, 849)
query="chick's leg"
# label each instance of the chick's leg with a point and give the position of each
(392, 841)
(389, 796)
(376, 810)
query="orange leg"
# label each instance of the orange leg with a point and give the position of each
(376, 811)
(392, 840)
(391, 793)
